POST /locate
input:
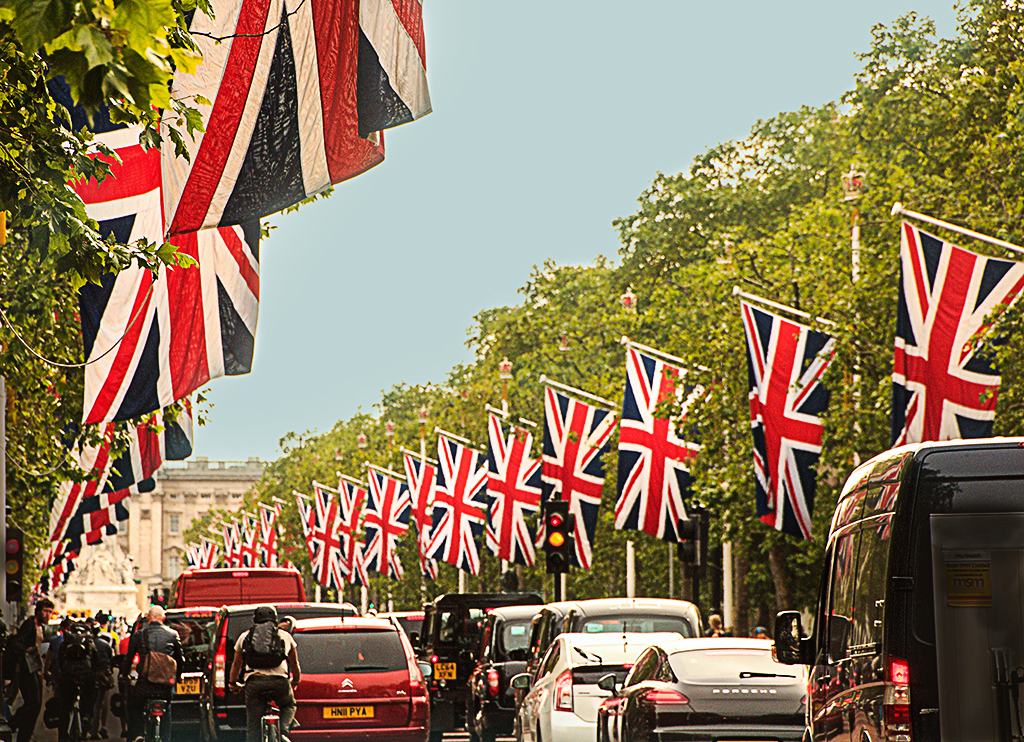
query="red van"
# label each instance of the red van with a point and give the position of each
(199, 587)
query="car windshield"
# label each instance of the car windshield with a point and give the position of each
(194, 630)
(461, 627)
(349, 651)
(636, 624)
(732, 665)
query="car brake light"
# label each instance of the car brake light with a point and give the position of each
(666, 696)
(492, 682)
(896, 705)
(563, 692)
(434, 659)
(220, 659)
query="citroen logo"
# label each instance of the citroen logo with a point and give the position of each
(347, 686)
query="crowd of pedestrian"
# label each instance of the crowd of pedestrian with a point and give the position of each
(85, 663)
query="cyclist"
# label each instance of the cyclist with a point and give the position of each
(270, 655)
(73, 671)
(104, 677)
(156, 680)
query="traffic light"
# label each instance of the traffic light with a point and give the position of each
(692, 546)
(558, 535)
(15, 566)
(160, 596)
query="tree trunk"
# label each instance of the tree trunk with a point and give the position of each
(741, 596)
(778, 562)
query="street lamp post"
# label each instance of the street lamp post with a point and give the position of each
(504, 373)
(628, 300)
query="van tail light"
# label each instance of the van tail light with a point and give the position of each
(419, 714)
(563, 692)
(665, 696)
(896, 706)
(220, 659)
(492, 682)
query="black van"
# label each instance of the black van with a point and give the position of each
(919, 628)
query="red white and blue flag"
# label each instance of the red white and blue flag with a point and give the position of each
(325, 538)
(785, 363)
(305, 506)
(514, 490)
(460, 505)
(268, 532)
(251, 535)
(386, 521)
(193, 555)
(98, 515)
(392, 64)
(209, 553)
(941, 388)
(352, 499)
(654, 462)
(421, 476)
(577, 437)
(232, 544)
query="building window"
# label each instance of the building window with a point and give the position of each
(206, 495)
(145, 515)
(122, 526)
(174, 497)
(174, 565)
(174, 523)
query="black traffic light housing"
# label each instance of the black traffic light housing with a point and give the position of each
(559, 541)
(15, 564)
(161, 596)
(693, 537)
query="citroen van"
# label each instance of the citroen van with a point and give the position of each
(919, 628)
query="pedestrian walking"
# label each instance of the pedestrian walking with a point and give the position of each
(26, 651)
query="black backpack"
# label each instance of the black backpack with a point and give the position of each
(263, 647)
(76, 651)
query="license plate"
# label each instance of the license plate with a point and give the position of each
(348, 712)
(444, 671)
(188, 686)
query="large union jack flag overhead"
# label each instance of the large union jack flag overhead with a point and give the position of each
(785, 363)
(386, 521)
(421, 476)
(941, 388)
(325, 537)
(654, 462)
(576, 438)
(514, 489)
(460, 505)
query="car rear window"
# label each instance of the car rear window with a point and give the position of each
(515, 635)
(637, 624)
(195, 631)
(732, 665)
(590, 674)
(349, 651)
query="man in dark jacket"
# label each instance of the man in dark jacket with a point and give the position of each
(104, 680)
(25, 649)
(74, 676)
(152, 638)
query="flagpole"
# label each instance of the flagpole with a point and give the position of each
(736, 291)
(898, 210)
(573, 390)
(659, 354)
(465, 441)
(385, 470)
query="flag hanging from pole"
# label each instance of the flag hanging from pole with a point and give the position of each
(193, 555)
(460, 505)
(421, 476)
(577, 436)
(386, 521)
(351, 499)
(785, 363)
(941, 388)
(209, 555)
(268, 531)
(654, 462)
(514, 490)
(325, 534)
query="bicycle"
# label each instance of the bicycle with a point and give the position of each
(270, 721)
(156, 709)
(75, 723)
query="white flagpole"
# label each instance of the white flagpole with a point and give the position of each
(782, 307)
(662, 355)
(385, 470)
(898, 210)
(579, 392)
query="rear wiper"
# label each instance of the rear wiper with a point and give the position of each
(350, 668)
(589, 656)
(746, 674)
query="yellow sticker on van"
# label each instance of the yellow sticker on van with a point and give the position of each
(968, 584)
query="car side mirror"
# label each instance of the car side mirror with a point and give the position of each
(522, 681)
(791, 646)
(427, 669)
(607, 682)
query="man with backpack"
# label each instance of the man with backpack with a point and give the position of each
(269, 656)
(104, 677)
(159, 669)
(74, 676)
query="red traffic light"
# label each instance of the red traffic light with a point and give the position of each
(13, 546)
(555, 520)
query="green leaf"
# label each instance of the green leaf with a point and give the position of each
(98, 50)
(38, 22)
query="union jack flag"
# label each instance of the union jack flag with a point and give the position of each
(232, 544)
(352, 498)
(305, 506)
(514, 489)
(785, 363)
(193, 554)
(209, 555)
(268, 531)
(654, 462)
(941, 388)
(388, 505)
(325, 535)
(576, 439)
(98, 515)
(421, 475)
(250, 540)
(58, 569)
(460, 504)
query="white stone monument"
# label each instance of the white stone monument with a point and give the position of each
(103, 581)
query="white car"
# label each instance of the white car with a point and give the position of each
(563, 697)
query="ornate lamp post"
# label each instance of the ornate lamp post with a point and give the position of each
(628, 301)
(504, 373)
(361, 440)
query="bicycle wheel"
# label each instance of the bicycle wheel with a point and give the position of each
(75, 724)
(271, 729)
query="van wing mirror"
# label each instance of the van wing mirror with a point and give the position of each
(522, 681)
(791, 646)
(607, 682)
(427, 669)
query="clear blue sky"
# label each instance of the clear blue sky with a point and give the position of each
(549, 121)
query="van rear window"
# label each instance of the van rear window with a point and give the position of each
(336, 652)
(638, 624)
